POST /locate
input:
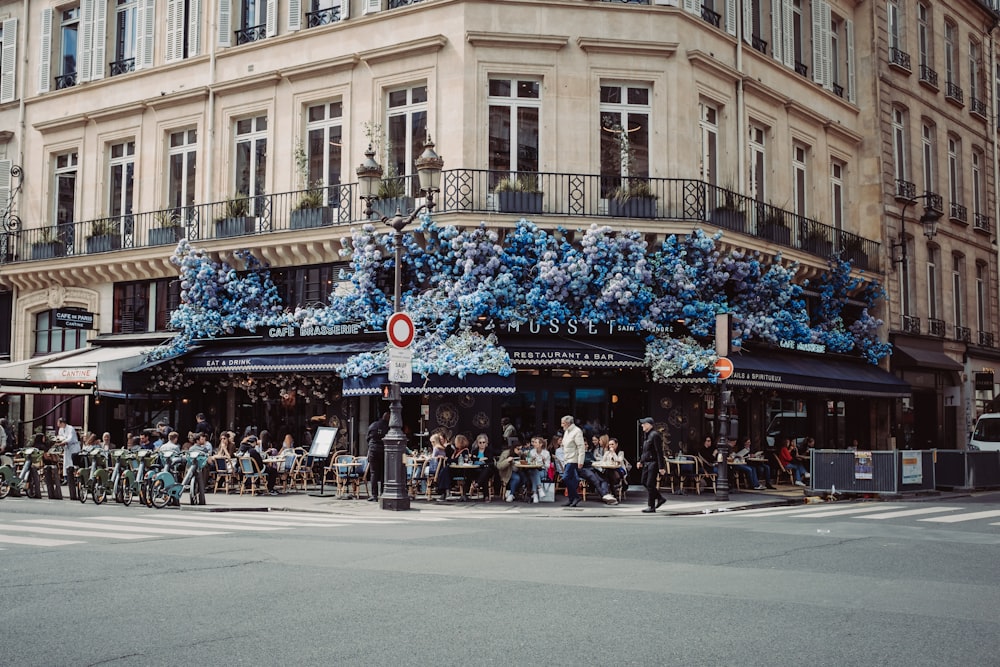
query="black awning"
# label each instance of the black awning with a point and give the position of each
(625, 351)
(914, 357)
(487, 383)
(275, 358)
(811, 374)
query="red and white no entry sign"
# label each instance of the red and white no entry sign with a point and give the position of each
(724, 367)
(400, 330)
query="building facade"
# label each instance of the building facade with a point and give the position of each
(142, 122)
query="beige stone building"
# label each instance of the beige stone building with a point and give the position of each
(138, 122)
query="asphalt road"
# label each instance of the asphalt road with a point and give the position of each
(485, 585)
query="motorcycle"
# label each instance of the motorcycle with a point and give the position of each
(24, 481)
(93, 479)
(165, 487)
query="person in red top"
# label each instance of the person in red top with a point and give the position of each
(787, 458)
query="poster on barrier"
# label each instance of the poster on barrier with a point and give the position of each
(913, 472)
(863, 468)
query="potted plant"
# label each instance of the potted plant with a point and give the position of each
(816, 240)
(235, 219)
(729, 213)
(48, 245)
(310, 209)
(518, 194)
(167, 228)
(392, 195)
(852, 249)
(105, 236)
(772, 226)
(634, 198)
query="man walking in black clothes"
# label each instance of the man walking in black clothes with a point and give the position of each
(376, 454)
(651, 462)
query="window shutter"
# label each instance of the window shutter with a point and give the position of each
(826, 44)
(271, 18)
(194, 28)
(371, 6)
(851, 93)
(692, 6)
(100, 39)
(8, 58)
(776, 39)
(5, 166)
(731, 17)
(345, 9)
(225, 35)
(86, 39)
(145, 19)
(45, 52)
(818, 37)
(294, 15)
(748, 21)
(787, 34)
(172, 48)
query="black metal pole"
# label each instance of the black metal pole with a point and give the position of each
(394, 496)
(722, 448)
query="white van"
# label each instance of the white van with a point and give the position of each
(986, 437)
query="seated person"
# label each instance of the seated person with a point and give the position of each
(738, 463)
(758, 461)
(438, 464)
(612, 455)
(461, 455)
(249, 448)
(708, 453)
(481, 455)
(538, 454)
(510, 475)
(786, 456)
(802, 456)
(589, 474)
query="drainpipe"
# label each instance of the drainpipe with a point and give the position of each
(213, 39)
(741, 109)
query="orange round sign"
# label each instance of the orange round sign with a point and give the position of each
(724, 367)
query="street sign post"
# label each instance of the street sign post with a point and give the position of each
(400, 330)
(724, 367)
(400, 364)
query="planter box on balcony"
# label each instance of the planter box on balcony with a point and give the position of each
(165, 235)
(103, 243)
(304, 218)
(241, 226)
(728, 218)
(777, 233)
(817, 246)
(387, 207)
(636, 207)
(857, 257)
(519, 202)
(47, 250)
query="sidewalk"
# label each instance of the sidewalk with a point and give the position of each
(311, 501)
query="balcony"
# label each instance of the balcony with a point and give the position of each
(323, 17)
(838, 89)
(935, 327)
(900, 59)
(958, 213)
(123, 66)
(801, 69)
(396, 4)
(963, 334)
(253, 33)
(985, 339)
(911, 324)
(759, 44)
(711, 16)
(934, 202)
(977, 107)
(982, 223)
(553, 195)
(928, 77)
(905, 190)
(953, 93)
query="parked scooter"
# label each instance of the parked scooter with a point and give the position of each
(166, 489)
(93, 479)
(24, 481)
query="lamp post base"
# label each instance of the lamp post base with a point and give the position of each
(394, 504)
(395, 496)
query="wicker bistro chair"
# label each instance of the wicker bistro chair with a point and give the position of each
(225, 474)
(302, 473)
(253, 476)
(432, 468)
(416, 475)
(285, 472)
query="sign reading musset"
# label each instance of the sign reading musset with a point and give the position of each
(73, 318)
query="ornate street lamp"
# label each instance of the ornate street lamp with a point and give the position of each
(929, 221)
(394, 495)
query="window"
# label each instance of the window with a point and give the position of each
(304, 287)
(182, 161)
(758, 162)
(131, 308)
(837, 197)
(255, 21)
(975, 84)
(799, 177)
(982, 275)
(956, 288)
(625, 112)
(168, 299)
(928, 142)
(899, 143)
(924, 36)
(251, 156)
(121, 182)
(514, 107)
(69, 32)
(8, 59)
(125, 36)
(183, 30)
(954, 170)
(50, 337)
(906, 279)
(709, 125)
(797, 36)
(894, 28)
(324, 145)
(978, 184)
(933, 257)
(407, 123)
(950, 52)
(65, 188)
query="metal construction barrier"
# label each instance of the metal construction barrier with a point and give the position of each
(880, 472)
(963, 469)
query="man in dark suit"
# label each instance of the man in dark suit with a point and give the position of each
(376, 454)
(651, 463)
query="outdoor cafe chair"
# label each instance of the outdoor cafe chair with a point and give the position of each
(225, 475)
(253, 476)
(285, 471)
(344, 472)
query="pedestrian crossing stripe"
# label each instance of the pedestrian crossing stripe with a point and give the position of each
(162, 530)
(44, 530)
(971, 516)
(214, 522)
(950, 514)
(916, 512)
(26, 540)
(823, 512)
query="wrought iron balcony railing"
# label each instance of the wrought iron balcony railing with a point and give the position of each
(911, 324)
(985, 339)
(963, 334)
(935, 327)
(66, 81)
(323, 17)
(558, 195)
(977, 106)
(929, 76)
(708, 15)
(899, 58)
(253, 33)
(801, 69)
(934, 201)
(759, 44)
(953, 92)
(982, 222)
(123, 66)
(958, 212)
(906, 190)
(838, 89)
(396, 4)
